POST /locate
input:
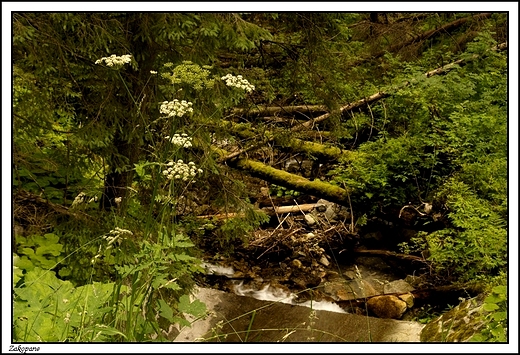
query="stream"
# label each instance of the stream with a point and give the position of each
(337, 291)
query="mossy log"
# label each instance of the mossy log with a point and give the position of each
(277, 110)
(294, 182)
(320, 151)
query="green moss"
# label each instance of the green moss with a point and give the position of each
(295, 182)
(457, 325)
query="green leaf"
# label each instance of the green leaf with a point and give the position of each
(493, 299)
(499, 316)
(195, 308)
(489, 307)
(165, 310)
(501, 290)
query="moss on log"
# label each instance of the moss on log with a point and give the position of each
(314, 149)
(294, 182)
(273, 110)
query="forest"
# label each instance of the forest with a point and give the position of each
(147, 144)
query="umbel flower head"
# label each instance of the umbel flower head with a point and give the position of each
(181, 170)
(175, 108)
(115, 61)
(238, 82)
(181, 140)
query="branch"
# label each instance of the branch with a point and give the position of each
(273, 110)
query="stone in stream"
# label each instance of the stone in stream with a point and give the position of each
(387, 306)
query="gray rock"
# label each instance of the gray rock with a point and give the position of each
(324, 261)
(229, 319)
(397, 286)
(310, 220)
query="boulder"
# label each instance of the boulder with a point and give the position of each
(235, 319)
(388, 306)
(342, 290)
(397, 286)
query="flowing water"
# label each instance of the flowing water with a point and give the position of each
(268, 293)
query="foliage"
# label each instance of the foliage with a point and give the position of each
(141, 136)
(280, 191)
(51, 310)
(495, 314)
(38, 251)
(438, 147)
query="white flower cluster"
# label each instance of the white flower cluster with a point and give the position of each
(181, 140)
(115, 235)
(181, 170)
(238, 82)
(176, 108)
(83, 198)
(115, 61)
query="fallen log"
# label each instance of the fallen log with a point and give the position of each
(317, 188)
(270, 211)
(274, 110)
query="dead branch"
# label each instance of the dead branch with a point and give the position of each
(271, 211)
(390, 253)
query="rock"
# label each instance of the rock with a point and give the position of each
(458, 324)
(387, 306)
(397, 286)
(321, 207)
(408, 298)
(415, 281)
(324, 261)
(342, 290)
(229, 318)
(296, 263)
(310, 220)
(264, 191)
(350, 274)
